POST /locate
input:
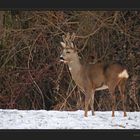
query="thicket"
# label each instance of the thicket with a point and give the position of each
(31, 75)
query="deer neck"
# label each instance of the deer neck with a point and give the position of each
(75, 66)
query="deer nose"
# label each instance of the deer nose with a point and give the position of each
(61, 57)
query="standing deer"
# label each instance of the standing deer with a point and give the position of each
(93, 77)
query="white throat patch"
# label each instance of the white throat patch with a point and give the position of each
(70, 68)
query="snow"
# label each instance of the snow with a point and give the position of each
(43, 119)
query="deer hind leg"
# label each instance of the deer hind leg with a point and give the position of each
(121, 87)
(113, 99)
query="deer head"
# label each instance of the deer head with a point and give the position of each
(69, 52)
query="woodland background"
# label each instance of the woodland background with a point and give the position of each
(31, 75)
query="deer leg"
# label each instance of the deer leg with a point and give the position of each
(87, 101)
(112, 92)
(121, 87)
(92, 103)
(113, 104)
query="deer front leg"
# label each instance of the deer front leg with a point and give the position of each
(92, 103)
(87, 101)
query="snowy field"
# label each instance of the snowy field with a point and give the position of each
(42, 119)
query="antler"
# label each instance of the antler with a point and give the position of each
(72, 36)
(68, 39)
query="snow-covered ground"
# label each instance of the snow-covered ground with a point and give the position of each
(42, 119)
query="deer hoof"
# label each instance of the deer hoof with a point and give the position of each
(113, 115)
(125, 115)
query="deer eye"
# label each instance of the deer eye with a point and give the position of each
(68, 52)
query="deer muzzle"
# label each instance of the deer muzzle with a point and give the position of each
(62, 59)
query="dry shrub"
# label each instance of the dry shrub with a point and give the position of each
(31, 75)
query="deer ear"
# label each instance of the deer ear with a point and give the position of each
(63, 44)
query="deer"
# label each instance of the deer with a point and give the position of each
(94, 77)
